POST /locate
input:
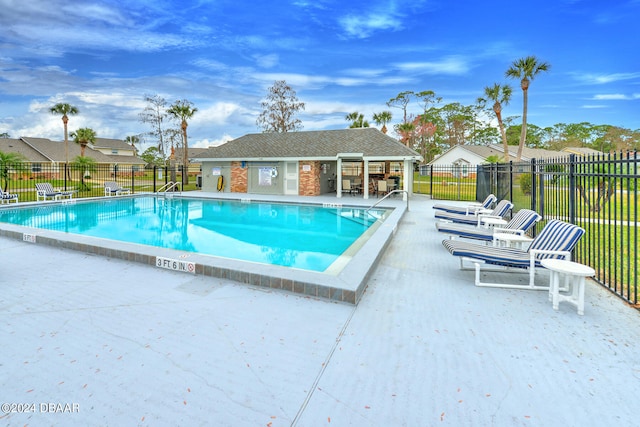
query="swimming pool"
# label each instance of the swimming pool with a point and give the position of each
(308, 237)
(343, 280)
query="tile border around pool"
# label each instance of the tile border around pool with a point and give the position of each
(347, 286)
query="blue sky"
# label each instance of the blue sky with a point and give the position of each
(340, 57)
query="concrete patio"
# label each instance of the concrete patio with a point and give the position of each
(122, 343)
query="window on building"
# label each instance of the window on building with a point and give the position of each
(376, 167)
(351, 168)
(395, 168)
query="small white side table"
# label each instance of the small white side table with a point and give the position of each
(490, 221)
(511, 240)
(574, 274)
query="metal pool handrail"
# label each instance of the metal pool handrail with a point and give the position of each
(387, 195)
(168, 186)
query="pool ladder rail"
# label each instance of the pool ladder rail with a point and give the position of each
(387, 196)
(173, 187)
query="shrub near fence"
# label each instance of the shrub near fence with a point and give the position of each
(20, 178)
(599, 193)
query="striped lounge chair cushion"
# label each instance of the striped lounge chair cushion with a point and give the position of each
(555, 236)
(464, 230)
(500, 210)
(523, 220)
(462, 209)
(508, 257)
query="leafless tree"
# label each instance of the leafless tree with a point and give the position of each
(279, 109)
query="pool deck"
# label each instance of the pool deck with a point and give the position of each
(123, 343)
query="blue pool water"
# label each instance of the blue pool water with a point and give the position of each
(308, 237)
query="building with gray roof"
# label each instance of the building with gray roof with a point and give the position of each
(306, 163)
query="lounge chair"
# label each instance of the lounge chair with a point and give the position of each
(112, 188)
(7, 197)
(44, 191)
(469, 207)
(556, 240)
(521, 222)
(498, 212)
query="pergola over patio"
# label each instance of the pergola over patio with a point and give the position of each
(405, 171)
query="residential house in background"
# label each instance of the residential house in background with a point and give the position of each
(47, 157)
(195, 165)
(461, 160)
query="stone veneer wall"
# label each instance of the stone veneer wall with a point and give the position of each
(238, 177)
(309, 180)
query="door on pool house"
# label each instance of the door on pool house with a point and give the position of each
(291, 178)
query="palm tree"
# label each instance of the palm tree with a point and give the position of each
(84, 165)
(83, 136)
(9, 162)
(183, 110)
(525, 69)
(500, 95)
(133, 140)
(65, 110)
(357, 120)
(382, 119)
(406, 130)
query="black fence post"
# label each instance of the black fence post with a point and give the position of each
(495, 179)
(534, 190)
(431, 182)
(541, 194)
(511, 180)
(572, 189)
(458, 172)
(155, 169)
(633, 188)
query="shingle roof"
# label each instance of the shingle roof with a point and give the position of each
(46, 150)
(127, 160)
(117, 144)
(485, 151)
(55, 151)
(311, 145)
(192, 153)
(18, 146)
(581, 151)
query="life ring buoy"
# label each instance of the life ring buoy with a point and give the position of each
(274, 172)
(220, 183)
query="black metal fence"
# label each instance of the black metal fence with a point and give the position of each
(447, 182)
(598, 193)
(88, 181)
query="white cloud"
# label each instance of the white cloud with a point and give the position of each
(590, 78)
(218, 114)
(611, 97)
(451, 65)
(361, 27)
(267, 61)
(50, 28)
(206, 143)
